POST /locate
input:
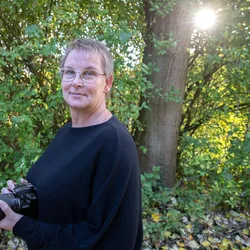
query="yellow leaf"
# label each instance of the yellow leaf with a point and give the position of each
(189, 227)
(205, 243)
(238, 219)
(226, 242)
(180, 244)
(156, 217)
(175, 236)
(217, 218)
(190, 236)
(214, 240)
(245, 231)
(165, 248)
(243, 216)
(221, 247)
(167, 234)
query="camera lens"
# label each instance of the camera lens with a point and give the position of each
(13, 203)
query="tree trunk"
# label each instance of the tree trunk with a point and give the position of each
(162, 121)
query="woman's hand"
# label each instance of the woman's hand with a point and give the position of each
(11, 185)
(10, 219)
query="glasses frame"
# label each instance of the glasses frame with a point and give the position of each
(61, 73)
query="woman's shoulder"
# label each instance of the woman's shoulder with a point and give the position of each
(115, 135)
(117, 128)
(111, 131)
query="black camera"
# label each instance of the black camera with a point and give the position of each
(22, 200)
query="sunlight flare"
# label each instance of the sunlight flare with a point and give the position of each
(205, 19)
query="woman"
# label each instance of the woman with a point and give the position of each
(87, 180)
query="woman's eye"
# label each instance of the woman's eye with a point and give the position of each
(70, 73)
(89, 73)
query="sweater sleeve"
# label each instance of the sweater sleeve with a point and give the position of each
(113, 218)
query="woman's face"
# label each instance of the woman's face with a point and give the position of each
(79, 94)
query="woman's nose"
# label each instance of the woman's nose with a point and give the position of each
(77, 81)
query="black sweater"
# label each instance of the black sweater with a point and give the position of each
(88, 187)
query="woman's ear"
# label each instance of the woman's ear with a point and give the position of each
(108, 84)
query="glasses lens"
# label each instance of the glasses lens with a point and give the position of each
(88, 76)
(69, 74)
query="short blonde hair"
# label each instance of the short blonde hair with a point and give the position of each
(90, 45)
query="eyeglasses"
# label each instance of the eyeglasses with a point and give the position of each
(87, 76)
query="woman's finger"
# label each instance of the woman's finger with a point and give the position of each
(11, 184)
(5, 191)
(23, 181)
(4, 206)
(10, 219)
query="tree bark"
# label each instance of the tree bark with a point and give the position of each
(162, 120)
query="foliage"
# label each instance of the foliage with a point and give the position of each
(214, 144)
(158, 206)
(31, 103)
(214, 138)
(179, 218)
(223, 181)
(162, 8)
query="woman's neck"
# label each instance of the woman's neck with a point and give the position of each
(81, 118)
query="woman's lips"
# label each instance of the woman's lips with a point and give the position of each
(76, 94)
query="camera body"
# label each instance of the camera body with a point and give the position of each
(22, 200)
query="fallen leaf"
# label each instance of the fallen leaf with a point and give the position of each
(234, 213)
(184, 219)
(180, 244)
(167, 234)
(156, 217)
(239, 239)
(189, 227)
(175, 236)
(193, 244)
(245, 231)
(165, 248)
(205, 243)
(214, 240)
(226, 242)
(217, 218)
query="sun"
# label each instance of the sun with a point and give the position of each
(205, 19)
